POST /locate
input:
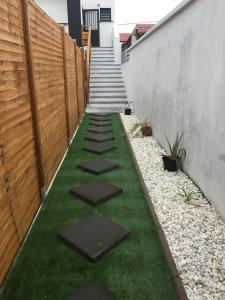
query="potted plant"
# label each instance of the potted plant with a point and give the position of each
(172, 162)
(127, 111)
(144, 127)
(146, 130)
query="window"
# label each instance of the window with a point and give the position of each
(91, 18)
(105, 14)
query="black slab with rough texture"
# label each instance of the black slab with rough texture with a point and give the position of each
(98, 166)
(101, 115)
(99, 148)
(90, 291)
(101, 119)
(93, 236)
(99, 138)
(100, 129)
(96, 191)
(100, 124)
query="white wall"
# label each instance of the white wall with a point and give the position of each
(117, 47)
(176, 76)
(57, 9)
(106, 34)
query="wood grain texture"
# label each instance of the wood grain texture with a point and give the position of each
(71, 85)
(42, 96)
(19, 184)
(9, 239)
(80, 76)
(47, 53)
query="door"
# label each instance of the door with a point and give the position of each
(91, 18)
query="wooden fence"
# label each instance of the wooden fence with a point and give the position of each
(42, 98)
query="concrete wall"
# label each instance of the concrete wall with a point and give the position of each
(176, 76)
(117, 46)
(127, 76)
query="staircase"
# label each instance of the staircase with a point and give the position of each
(107, 90)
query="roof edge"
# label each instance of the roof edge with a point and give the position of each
(177, 10)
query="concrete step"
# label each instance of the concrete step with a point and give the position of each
(107, 89)
(102, 55)
(100, 64)
(107, 95)
(102, 60)
(107, 100)
(104, 65)
(94, 75)
(105, 68)
(94, 61)
(105, 109)
(107, 80)
(95, 49)
(107, 85)
(106, 72)
(110, 57)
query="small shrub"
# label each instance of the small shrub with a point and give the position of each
(189, 196)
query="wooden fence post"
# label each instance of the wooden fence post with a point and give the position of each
(33, 98)
(65, 85)
(76, 70)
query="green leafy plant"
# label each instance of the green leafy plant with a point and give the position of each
(177, 153)
(135, 129)
(188, 196)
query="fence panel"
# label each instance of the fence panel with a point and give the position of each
(9, 241)
(80, 79)
(71, 84)
(19, 184)
(47, 58)
(41, 98)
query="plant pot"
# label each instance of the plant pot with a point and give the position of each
(146, 131)
(127, 111)
(170, 164)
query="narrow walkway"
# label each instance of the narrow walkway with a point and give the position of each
(107, 89)
(135, 270)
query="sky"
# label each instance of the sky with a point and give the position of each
(138, 11)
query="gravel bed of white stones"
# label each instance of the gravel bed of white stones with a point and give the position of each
(195, 232)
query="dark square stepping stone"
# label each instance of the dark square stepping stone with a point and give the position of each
(99, 138)
(96, 191)
(102, 115)
(93, 236)
(100, 124)
(98, 166)
(99, 148)
(90, 291)
(100, 129)
(101, 119)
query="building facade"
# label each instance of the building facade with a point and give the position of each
(100, 14)
(72, 14)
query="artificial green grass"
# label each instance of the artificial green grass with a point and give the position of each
(136, 270)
